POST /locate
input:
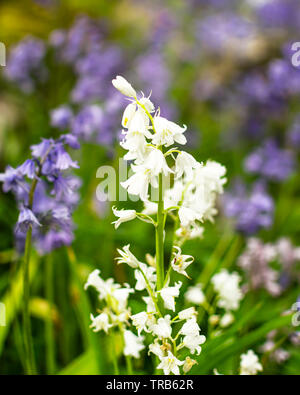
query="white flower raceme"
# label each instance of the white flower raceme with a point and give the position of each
(124, 86)
(162, 329)
(149, 273)
(124, 216)
(195, 295)
(184, 164)
(168, 295)
(127, 257)
(250, 364)
(170, 364)
(133, 344)
(181, 262)
(227, 287)
(167, 132)
(101, 322)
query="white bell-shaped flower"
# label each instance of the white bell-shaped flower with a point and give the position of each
(162, 329)
(133, 344)
(170, 364)
(250, 364)
(168, 295)
(124, 216)
(124, 86)
(167, 132)
(100, 322)
(128, 115)
(181, 262)
(184, 164)
(127, 257)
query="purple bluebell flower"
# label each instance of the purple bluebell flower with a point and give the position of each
(61, 117)
(12, 179)
(270, 162)
(88, 122)
(251, 212)
(256, 262)
(63, 159)
(55, 195)
(222, 31)
(25, 63)
(70, 140)
(41, 149)
(28, 168)
(26, 219)
(284, 79)
(279, 14)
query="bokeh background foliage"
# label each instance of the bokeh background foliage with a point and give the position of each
(214, 89)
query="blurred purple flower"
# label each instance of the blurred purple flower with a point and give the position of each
(251, 212)
(279, 14)
(217, 32)
(61, 117)
(255, 261)
(25, 64)
(88, 122)
(270, 162)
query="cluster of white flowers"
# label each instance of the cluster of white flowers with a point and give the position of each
(191, 200)
(250, 364)
(227, 286)
(196, 185)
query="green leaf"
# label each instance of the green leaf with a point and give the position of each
(233, 345)
(85, 364)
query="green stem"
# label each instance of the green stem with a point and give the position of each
(114, 357)
(159, 238)
(28, 344)
(49, 329)
(150, 292)
(129, 366)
